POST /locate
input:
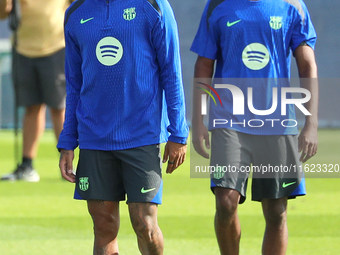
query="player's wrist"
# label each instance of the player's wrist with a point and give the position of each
(197, 120)
(180, 140)
(311, 123)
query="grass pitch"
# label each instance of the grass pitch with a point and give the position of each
(42, 218)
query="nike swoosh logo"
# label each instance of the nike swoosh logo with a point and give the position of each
(82, 21)
(146, 190)
(285, 185)
(232, 23)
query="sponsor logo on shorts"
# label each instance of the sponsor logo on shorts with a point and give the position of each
(84, 183)
(218, 174)
(146, 190)
(285, 185)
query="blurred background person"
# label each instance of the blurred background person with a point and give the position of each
(38, 74)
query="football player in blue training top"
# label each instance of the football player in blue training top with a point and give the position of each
(254, 39)
(124, 97)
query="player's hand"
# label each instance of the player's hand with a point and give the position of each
(174, 153)
(308, 143)
(200, 133)
(66, 166)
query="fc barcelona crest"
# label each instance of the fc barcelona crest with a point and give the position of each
(129, 13)
(218, 174)
(84, 183)
(275, 22)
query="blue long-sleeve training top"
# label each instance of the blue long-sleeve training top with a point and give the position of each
(123, 75)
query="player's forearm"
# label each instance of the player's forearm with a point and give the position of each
(174, 95)
(5, 8)
(308, 74)
(204, 69)
(178, 127)
(171, 80)
(169, 60)
(309, 81)
(68, 138)
(311, 84)
(73, 73)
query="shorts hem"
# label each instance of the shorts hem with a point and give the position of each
(77, 196)
(288, 197)
(242, 196)
(157, 203)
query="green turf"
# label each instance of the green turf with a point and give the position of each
(42, 218)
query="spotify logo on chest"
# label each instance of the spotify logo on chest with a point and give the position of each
(255, 56)
(109, 51)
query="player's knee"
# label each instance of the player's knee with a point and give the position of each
(275, 213)
(105, 224)
(275, 219)
(226, 206)
(105, 227)
(145, 228)
(226, 200)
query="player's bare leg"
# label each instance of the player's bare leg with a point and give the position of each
(33, 128)
(144, 221)
(105, 216)
(227, 225)
(57, 116)
(276, 234)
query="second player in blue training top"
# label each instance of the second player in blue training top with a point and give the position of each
(254, 39)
